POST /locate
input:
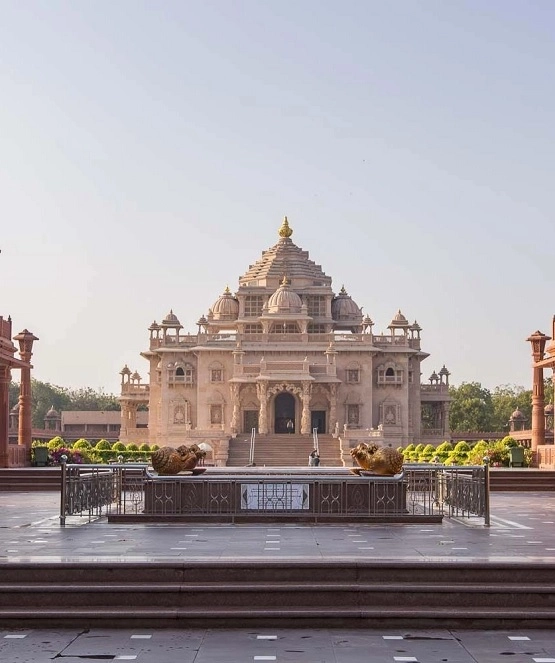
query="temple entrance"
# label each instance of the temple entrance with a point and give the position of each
(318, 421)
(284, 406)
(250, 420)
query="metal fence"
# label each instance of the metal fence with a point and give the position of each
(420, 492)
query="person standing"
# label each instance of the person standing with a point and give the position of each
(313, 459)
(290, 425)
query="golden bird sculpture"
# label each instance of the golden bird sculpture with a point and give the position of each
(384, 461)
(169, 460)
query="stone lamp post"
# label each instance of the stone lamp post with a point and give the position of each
(25, 340)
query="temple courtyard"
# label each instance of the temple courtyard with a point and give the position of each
(521, 531)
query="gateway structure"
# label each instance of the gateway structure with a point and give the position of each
(285, 354)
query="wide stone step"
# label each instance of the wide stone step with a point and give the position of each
(278, 593)
(467, 617)
(261, 596)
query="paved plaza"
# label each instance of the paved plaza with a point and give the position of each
(522, 528)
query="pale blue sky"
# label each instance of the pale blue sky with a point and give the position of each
(149, 151)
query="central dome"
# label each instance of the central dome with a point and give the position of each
(284, 300)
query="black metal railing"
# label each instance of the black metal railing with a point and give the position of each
(420, 491)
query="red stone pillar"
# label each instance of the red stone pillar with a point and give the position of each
(5, 377)
(25, 339)
(538, 341)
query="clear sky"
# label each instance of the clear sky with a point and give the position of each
(149, 151)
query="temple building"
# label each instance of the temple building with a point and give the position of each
(283, 354)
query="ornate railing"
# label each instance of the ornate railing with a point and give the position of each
(130, 491)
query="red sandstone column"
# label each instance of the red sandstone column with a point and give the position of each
(25, 339)
(5, 377)
(538, 341)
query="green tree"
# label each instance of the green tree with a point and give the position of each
(471, 408)
(506, 399)
(45, 395)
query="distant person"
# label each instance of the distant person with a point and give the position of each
(290, 425)
(313, 459)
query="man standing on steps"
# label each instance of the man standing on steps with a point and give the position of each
(290, 425)
(314, 459)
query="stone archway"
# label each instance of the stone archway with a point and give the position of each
(284, 411)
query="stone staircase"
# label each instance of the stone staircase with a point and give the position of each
(521, 480)
(278, 593)
(30, 479)
(284, 450)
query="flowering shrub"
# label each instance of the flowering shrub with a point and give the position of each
(72, 456)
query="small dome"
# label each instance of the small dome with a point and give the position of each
(136, 376)
(399, 320)
(154, 326)
(284, 300)
(171, 320)
(517, 415)
(226, 307)
(52, 413)
(548, 409)
(344, 308)
(444, 371)
(125, 370)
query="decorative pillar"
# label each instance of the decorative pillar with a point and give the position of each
(305, 416)
(538, 341)
(5, 377)
(234, 388)
(262, 391)
(333, 407)
(25, 340)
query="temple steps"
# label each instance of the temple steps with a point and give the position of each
(273, 593)
(522, 480)
(284, 451)
(29, 479)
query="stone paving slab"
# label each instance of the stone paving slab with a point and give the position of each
(522, 529)
(280, 645)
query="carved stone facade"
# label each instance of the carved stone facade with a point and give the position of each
(285, 347)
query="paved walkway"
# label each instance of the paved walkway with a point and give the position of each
(523, 528)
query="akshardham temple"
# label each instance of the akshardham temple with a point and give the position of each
(285, 354)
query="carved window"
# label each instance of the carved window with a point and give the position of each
(353, 375)
(183, 374)
(253, 305)
(216, 375)
(390, 375)
(316, 329)
(284, 328)
(216, 414)
(353, 415)
(253, 329)
(316, 306)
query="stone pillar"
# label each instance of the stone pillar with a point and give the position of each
(123, 429)
(305, 416)
(538, 404)
(538, 341)
(5, 377)
(25, 340)
(262, 389)
(234, 388)
(333, 408)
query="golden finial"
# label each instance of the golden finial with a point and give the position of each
(285, 280)
(285, 230)
(227, 291)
